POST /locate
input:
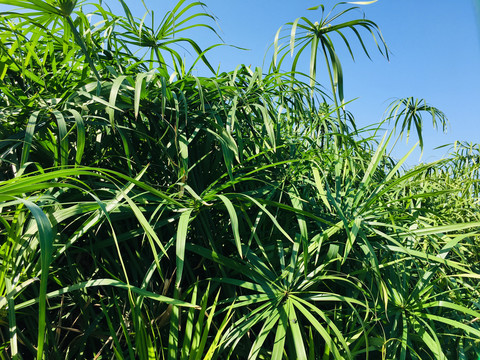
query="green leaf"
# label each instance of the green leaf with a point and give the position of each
(29, 132)
(297, 336)
(181, 239)
(45, 237)
(234, 222)
(105, 282)
(267, 327)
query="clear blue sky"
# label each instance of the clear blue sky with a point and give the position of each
(435, 55)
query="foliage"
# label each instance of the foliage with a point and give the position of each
(150, 213)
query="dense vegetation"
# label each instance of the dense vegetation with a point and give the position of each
(149, 213)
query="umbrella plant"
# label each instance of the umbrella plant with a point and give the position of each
(150, 213)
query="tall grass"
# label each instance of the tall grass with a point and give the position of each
(149, 213)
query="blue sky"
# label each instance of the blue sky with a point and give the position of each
(435, 55)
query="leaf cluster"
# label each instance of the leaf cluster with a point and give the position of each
(150, 213)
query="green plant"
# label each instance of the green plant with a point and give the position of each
(150, 213)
